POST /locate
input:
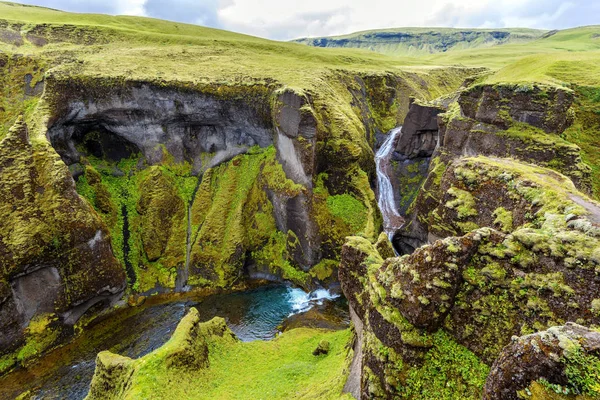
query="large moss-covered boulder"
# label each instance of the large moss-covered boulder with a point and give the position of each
(565, 359)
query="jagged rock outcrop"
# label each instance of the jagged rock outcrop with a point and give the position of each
(55, 253)
(520, 250)
(568, 356)
(419, 136)
(416, 144)
(498, 122)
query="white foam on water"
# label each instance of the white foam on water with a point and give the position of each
(300, 301)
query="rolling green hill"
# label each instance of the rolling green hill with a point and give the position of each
(418, 41)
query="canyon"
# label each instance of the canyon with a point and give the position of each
(408, 230)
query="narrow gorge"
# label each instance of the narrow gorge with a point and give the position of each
(194, 213)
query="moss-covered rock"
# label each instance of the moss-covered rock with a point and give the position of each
(482, 287)
(205, 360)
(564, 359)
(188, 349)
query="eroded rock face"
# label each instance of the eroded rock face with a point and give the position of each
(207, 129)
(416, 144)
(54, 250)
(544, 108)
(419, 136)
(145, 118)
(543, 355)
(501, 122)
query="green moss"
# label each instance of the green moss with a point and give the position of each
(275, 257)
(584, 130)
(464, 203)
(348, 209)
(504, 219)
(232, 216)
(411, 181)
(7, 362)
(324, 270)
(14, 100)
(595, 307)
(279, 369)
(450, 371)
(40, 335)
(583, 372)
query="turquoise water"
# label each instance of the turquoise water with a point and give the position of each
(256, 314)
(251, 315)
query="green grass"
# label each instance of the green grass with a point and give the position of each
(349, 209)
(283, 368)
(147, 48)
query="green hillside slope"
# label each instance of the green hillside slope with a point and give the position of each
(418, 41)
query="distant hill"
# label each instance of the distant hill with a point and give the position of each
(417, 41)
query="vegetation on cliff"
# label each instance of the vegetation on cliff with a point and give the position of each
(503, 228)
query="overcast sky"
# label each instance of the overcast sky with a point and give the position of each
(283, 20)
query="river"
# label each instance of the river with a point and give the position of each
(255, 314)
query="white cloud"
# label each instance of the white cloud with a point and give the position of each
(131, 7)
(283, 20)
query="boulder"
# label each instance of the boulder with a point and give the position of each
(322, 348)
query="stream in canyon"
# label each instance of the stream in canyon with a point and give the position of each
(255, 314)
(392, 220)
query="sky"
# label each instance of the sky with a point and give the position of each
(285, 20)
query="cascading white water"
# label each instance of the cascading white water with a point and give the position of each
(300, 301)
(392, 220)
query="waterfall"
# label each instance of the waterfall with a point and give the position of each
(392, 220)
(183, 274)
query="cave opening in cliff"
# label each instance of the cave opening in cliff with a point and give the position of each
(90, 139)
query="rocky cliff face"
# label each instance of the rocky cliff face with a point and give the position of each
(495, 247)
(55, 251)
